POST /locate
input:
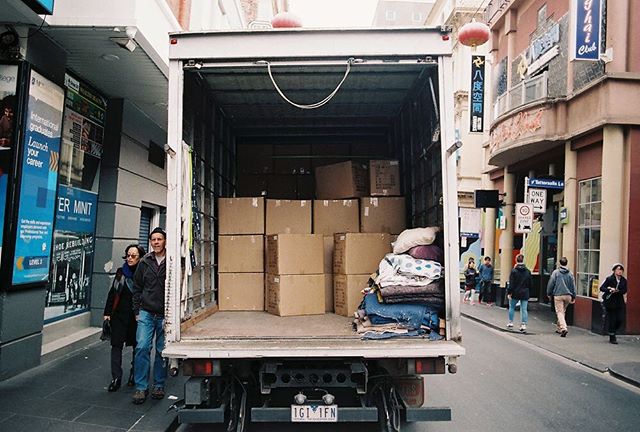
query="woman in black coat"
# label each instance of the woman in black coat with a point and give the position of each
(119, 311)
(614, 297)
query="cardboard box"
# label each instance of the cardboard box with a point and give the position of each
(241, 291)
(347, 293)
(328, 254)
(295, 254)
(384, 178)
(288, 217)
(240, 254)
(358, 253)
(295, 294)
(383, 215)
(336, 216)
(241, 215)
(341, 180)
(328, 292)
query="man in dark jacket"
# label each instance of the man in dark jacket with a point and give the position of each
(518, 291)
(148, 307)
(485, 280)
(562, 287)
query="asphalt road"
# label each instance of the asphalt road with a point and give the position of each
(504, 384)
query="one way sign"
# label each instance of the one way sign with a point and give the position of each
(538, 198)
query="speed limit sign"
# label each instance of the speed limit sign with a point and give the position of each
(524, 218)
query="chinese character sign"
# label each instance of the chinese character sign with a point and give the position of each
(476, 103)
(587, 19)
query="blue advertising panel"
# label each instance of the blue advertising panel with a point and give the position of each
(44, 7)
(8, 85)
(40, 155)
(76, 210)
(588, 25)
(477, 94)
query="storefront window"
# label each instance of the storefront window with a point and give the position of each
(589, 211)
(77, 201)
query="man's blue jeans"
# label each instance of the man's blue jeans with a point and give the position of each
(149, 325)
(523, 309)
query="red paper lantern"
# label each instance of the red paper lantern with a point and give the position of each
(473, 34)
(285, 20)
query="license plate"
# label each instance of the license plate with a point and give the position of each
(411, 390)
(314, 413)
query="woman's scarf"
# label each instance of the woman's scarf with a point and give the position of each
(128, 272)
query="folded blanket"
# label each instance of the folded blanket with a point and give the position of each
(406, 270)
(433, 301)
(435, 288)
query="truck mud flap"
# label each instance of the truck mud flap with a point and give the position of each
(202, 415)
(345, 414)
(427, 414)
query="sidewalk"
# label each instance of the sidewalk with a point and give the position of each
(582, 346)
(70, 394)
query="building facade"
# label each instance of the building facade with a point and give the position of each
(82, 160)
(565, 136)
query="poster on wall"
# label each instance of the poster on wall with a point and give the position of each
(82, 134)
(73, 247)
(41, 150)
(8, 85)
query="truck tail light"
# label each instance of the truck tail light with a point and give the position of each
(201, 367)
(429, 366)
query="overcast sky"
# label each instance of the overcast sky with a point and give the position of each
(334, 13)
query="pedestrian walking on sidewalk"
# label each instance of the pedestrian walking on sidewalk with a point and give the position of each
(614, 298)
(562, 287)
(485, 280)
(470, 276)
(119, 311)
(148, 306)
(518, 291)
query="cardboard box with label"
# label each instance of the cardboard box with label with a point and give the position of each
(359, 253)
(295, 294)
(240, 215)
(240, 254)
(295, 254)
(384, 178)
(336, 216)
(347, 293)
(241, 291)
(342, 180)
(288, 217)
(383, 215)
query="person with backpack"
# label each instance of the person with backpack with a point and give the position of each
(562, 287)
(470, 275)
(520, 284)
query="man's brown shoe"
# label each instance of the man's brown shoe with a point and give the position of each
(140, 396)
(157, 393)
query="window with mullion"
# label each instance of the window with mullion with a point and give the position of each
(588, 241)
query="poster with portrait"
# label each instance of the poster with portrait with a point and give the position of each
(8, 85)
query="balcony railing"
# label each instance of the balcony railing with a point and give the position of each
(523, 93)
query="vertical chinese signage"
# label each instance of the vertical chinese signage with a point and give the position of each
(586, 34)
(477, 94)
(40, 154)
(8, 85)
(77, 202)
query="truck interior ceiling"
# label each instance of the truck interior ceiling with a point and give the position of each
(247, 140)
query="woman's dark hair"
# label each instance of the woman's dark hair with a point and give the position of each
(140, 249)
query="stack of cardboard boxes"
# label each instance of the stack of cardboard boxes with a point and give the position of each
(319, 255)
(241, 253)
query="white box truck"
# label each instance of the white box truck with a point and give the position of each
(386, 92)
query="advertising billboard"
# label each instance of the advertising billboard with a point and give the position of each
(38, 182)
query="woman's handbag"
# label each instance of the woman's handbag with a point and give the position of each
(106, 330)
